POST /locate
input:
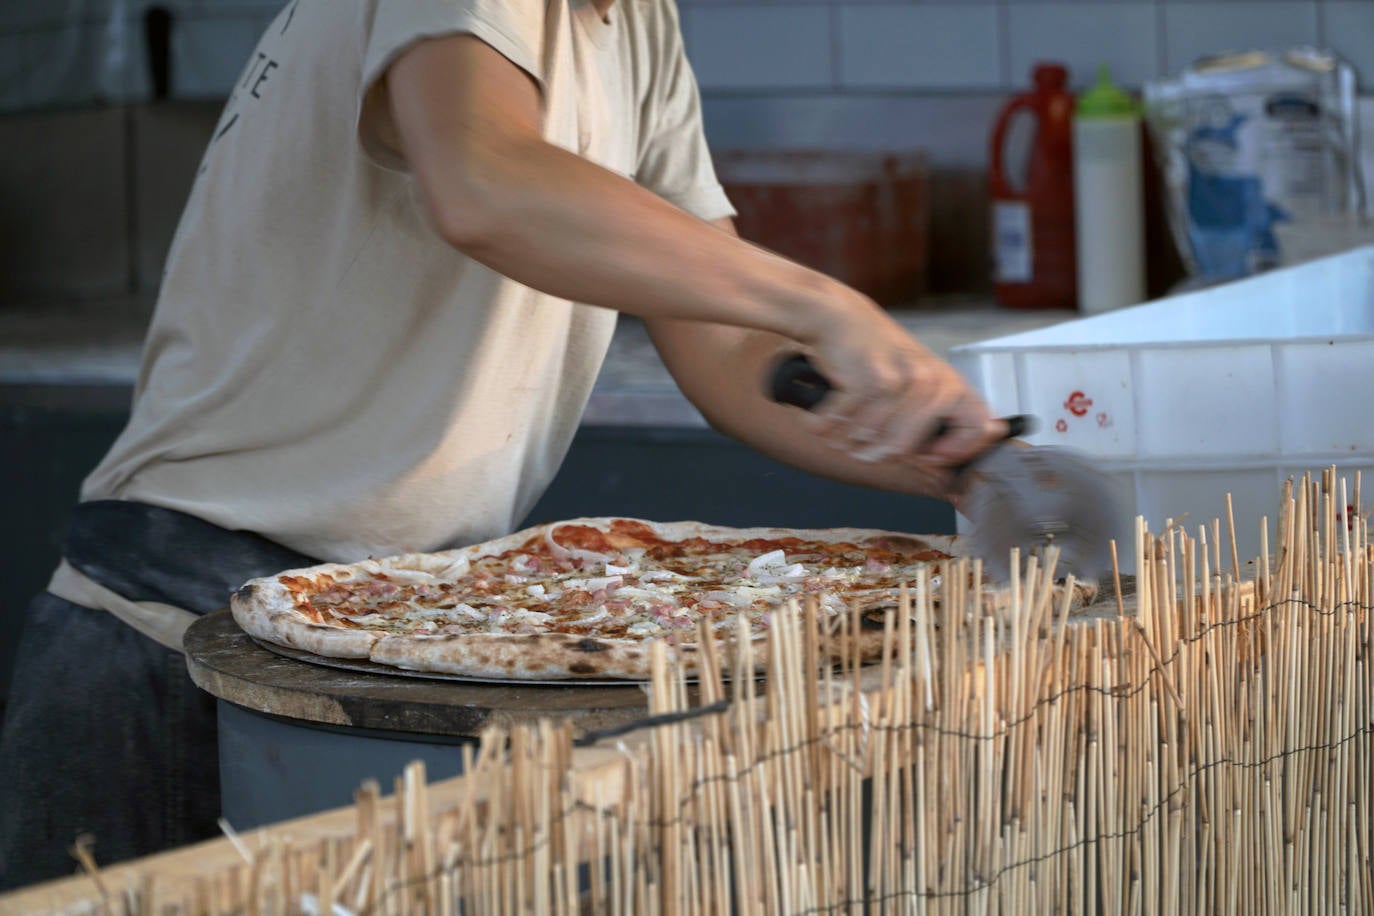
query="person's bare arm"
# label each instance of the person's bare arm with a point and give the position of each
(469, 124)
(724, 372)
(469, 127)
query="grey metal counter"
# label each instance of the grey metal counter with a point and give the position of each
(80, 347)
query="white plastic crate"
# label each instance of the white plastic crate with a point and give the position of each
(1230, 389)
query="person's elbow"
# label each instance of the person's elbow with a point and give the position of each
(468, 209)
(468, 123)
(475, 189)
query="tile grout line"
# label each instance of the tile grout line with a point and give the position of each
(131, 220)
(1162, 49)
(836, 50)
(1004, 78)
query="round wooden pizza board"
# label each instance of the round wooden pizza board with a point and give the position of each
(296, 737)
(227, 663)
(368, 667)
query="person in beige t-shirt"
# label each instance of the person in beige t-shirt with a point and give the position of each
(392, 287)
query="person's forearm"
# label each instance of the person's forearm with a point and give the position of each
(560, 224)
(725, 371)
(537, 213)
(469, 124)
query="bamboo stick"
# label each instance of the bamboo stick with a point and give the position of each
(1206, 748)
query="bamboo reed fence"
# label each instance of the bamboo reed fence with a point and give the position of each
(1203, 746)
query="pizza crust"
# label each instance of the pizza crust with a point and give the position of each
(557, 656)
(532, 656)
(264, 609)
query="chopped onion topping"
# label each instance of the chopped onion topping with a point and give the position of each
(535, 591)
(456, 569)
(773, 574)
(655, 575)
(673, 617)
(585, 556)
(748, 594)
(772, 558)
(613, 570)
(470, 611)
(601, 614)
(401, 574)
(370, 618)
(606, 583)
(439, 613)
(521, 615)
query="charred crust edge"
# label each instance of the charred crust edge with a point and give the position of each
(874, 618)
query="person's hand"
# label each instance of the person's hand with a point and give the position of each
(895, 400)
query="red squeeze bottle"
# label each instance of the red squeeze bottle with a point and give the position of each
(1032, 226)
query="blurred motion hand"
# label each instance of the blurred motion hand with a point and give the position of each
(893, 396)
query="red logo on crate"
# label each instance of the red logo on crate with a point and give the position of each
(1078, 404)
(1062, 426)
(1103, 421)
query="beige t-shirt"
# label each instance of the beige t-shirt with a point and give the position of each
(321, 368)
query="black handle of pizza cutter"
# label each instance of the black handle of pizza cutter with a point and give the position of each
(797, 382)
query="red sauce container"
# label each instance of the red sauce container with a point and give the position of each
(1032, 223)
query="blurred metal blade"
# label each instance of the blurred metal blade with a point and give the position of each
(1033, 497)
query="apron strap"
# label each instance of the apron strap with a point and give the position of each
(162, 623)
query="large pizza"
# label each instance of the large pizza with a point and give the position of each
(582, 598)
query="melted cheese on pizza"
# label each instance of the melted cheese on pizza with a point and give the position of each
(625, 582)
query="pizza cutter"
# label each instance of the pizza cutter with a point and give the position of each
(1026, 497)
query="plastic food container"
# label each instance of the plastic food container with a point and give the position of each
(1229, 389)
(859, 217)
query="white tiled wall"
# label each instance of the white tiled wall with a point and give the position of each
(727, 42)
(932, 72)
(1126, 36)
(63, 52)
(935, 45)
(209, 53)
(926, 46)
(1196, 29)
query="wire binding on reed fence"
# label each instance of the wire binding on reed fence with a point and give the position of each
(1203, 747)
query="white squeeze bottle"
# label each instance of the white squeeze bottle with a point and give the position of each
(1108, 205)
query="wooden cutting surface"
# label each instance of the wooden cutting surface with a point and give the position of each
(225, 662)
